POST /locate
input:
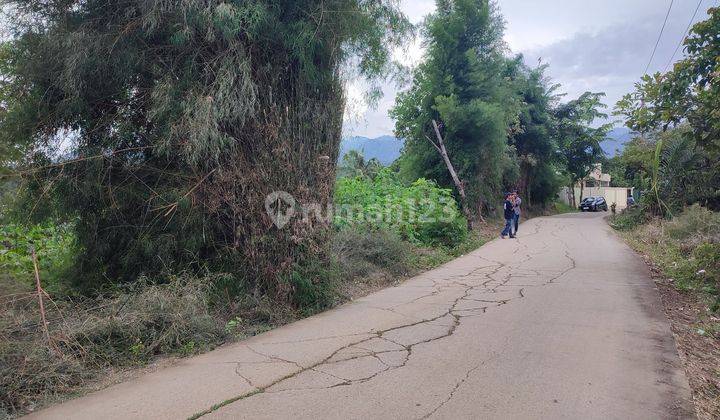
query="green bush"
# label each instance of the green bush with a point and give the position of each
(422, 212)
(694, 226)
(314, 286)
(54, 245)
(629, 219)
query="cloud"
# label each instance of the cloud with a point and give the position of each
(600, 46)
(610, 59)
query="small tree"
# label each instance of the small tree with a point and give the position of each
(579, 142)
(354, 164)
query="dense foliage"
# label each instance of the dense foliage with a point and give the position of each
(421, 212)
(535, 138)
(54, 245)
(461, 84)
(174, 120)
(355, 164)
(673, 161)
(501, 121)
(578, 141)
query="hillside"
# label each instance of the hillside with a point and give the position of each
(615, 141)
(385, 148)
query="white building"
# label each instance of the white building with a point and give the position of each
(597, 184)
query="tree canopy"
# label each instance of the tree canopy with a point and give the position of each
(686, 98)
(462, 85)
(501, 120)
(180, 117)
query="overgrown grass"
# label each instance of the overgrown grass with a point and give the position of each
(558, 207)
(126, 326)
(686, 249)
(89, 335)
(132, 325)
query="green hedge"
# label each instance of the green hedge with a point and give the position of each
(422, 212)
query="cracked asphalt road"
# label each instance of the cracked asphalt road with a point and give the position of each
(563, 322)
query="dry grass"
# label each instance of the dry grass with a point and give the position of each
(100, 341)
(88, 336)
(684, 255)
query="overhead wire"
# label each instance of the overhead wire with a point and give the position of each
(684, 36)
(662, 29)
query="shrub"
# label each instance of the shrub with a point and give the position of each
(314, 286)
(361, 252)
(422, 212)
(629, 219)
(54, 245)
(694, 226)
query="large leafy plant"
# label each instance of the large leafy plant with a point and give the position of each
(421, 212)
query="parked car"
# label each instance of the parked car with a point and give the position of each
(593, 204)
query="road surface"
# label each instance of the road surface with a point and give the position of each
(563, 322)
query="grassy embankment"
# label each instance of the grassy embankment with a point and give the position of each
(684, 254)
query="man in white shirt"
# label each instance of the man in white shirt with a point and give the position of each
(516, 208)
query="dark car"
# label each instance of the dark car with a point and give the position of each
(593, 204)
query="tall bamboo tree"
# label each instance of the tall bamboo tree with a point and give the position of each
(463, 85)
(181, 117)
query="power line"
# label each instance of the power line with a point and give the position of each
(684, 36)
(659, 36)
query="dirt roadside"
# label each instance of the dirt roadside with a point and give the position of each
(698, 348)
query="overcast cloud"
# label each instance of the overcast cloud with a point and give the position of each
(600, 46)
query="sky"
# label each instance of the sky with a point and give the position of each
(599, 46)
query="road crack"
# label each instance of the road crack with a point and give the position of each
(480, 279)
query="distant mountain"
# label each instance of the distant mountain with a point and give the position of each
(385, 148)
(615, 141)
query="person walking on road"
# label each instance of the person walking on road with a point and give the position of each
(509, 215)
(516, 209)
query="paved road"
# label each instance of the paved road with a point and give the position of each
(563, 322)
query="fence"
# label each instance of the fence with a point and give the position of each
(616, 195)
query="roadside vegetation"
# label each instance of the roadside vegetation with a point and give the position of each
(686, 249)
(129, 325)
(139, 141)
(673, 163)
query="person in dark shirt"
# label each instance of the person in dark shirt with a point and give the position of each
(509, 215)
(517, 202)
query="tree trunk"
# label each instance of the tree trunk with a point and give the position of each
(458, 183)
